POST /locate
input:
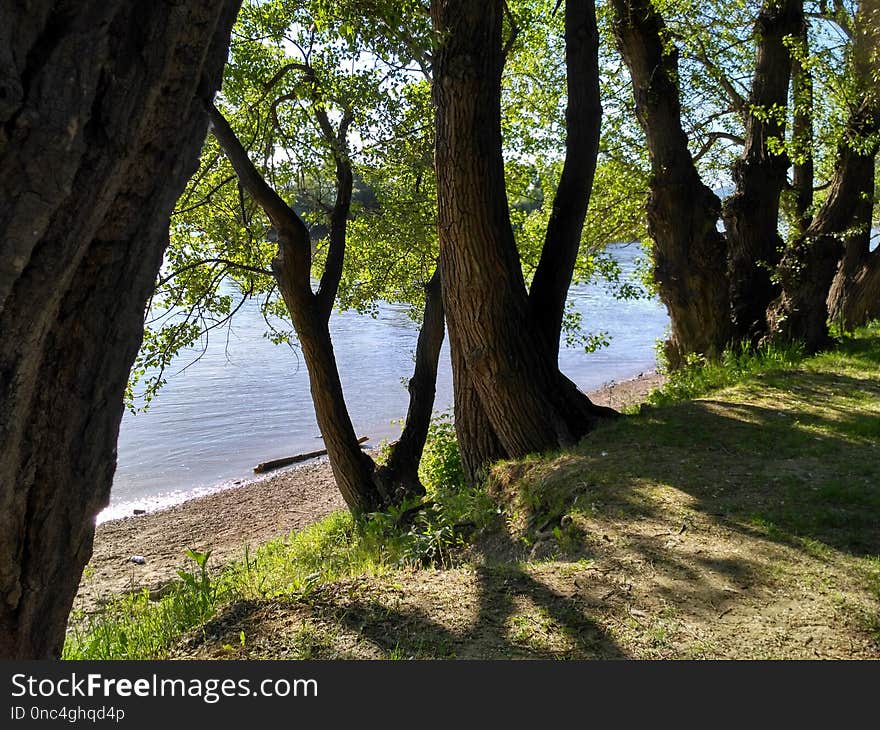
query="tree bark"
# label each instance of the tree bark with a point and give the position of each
(101, 121)
(803, 170)
(478, 444)
(854, 300)
(809, 265)
(854, 297)
(690, 254)
(808, 268)
(583, 122)
(498, 354)
(352, 468)
(400, 474)
(751, 214)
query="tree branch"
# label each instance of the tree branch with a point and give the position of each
(514, 31)
(736, 98)
(583, 121)
(292, 232)
(333, 266)
(281, 214)
(201, 262)
(712, 138)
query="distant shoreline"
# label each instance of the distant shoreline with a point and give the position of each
(251, 512)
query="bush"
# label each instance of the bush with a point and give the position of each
(441, 460)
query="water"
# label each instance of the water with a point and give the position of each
(247, 401)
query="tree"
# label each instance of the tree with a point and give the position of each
(809, 266)
(101, 119)
(364, 487)
(751, 214)
(510, 397)
(777, 288)
(583, 123)
(854, 297)
(321, 99)
(802, 136)
(690, 254)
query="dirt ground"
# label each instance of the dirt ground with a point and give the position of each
(226, 521)
(741, 526)
(223, 522)
(646, 593)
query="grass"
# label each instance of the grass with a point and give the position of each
(699, 377)
(734, 516)
(338, 547)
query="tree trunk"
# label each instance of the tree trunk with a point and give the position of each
(478, 444)
(808, 268)
(690, 255)
(803, 170)
(751, 214)
(492, 333)
(854, 298)
(363, 487)
(400, 474)
(101, 121)
(352, 468)
(583, 122)
(310, 314)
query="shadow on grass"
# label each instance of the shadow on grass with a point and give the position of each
(860, 349)
(795, 461)
(801, 462)
(500, 630)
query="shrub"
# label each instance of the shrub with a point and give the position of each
(441, 460)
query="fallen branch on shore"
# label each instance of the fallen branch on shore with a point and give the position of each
(287, 460)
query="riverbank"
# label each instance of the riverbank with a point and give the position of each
(733, 517)
(247, 515)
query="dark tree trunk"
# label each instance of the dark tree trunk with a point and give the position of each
(478, 444)
(310, 314)
(508, 371)
(854, 298)
(808, 268)
(751, 214)
(690, 257)
(101, 121)
(352, 468)
(400, 474)
(803, 170)
(583, 122)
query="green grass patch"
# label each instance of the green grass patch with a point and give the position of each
(698, 377)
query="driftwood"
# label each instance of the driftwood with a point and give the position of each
(278, 463)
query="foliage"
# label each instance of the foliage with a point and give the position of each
(132, 626)
(371, 59)
(441, 467)
(198, 581)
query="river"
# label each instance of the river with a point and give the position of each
(247, 400)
